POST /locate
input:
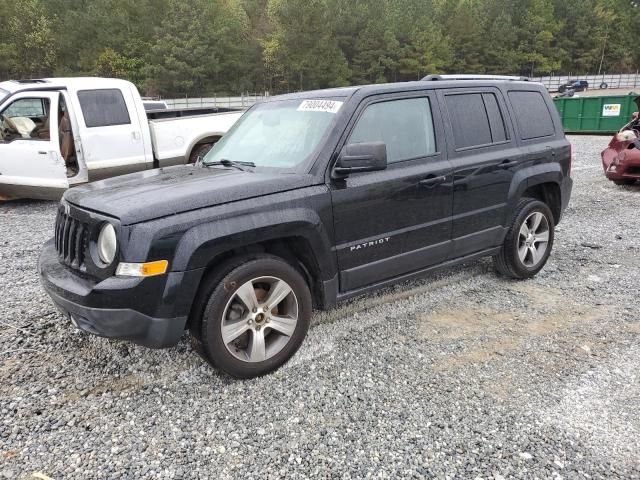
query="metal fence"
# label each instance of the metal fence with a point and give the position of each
(625, 80)
(243, 101)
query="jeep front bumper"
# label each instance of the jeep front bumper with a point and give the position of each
(147, 311)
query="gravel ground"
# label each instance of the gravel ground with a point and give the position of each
(460, 375)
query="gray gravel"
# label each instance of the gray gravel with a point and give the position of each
(460, 375)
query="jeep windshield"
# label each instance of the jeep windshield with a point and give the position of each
(278, 134)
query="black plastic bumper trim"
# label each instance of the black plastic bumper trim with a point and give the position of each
(123, 324)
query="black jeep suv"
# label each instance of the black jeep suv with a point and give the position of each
(310, 199)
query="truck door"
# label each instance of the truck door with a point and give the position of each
(485, 156)
(31, 165)
(396, 221)
(112, 140)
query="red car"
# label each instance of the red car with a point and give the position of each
(621, 159)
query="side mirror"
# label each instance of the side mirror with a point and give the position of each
(361, 157)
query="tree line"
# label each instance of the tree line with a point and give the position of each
(205, 47)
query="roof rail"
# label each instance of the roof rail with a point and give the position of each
(475, 77)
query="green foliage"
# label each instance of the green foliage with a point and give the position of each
(208, 47)
(199, 48)
(117, 65)
(302, 52)
(536, 48)
(28, 47)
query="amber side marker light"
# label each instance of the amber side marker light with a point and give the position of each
(148, 269)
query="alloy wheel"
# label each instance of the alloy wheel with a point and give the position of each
(533, 239)
(259, 319)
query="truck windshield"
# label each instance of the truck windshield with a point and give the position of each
(3, 94)
(279, 134)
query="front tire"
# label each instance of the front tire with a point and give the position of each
(529, 241)
(256, 317)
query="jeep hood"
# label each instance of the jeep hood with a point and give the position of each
(143, 196)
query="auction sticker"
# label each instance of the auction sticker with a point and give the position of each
(327, 106)
(611, 110)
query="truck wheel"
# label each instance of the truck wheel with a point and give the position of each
(529, 241)
(199, 151)
(256, 317)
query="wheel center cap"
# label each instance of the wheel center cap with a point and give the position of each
(260, 318)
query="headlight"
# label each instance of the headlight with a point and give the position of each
(107, 244)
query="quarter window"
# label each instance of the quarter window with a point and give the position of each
(103, 108)
(476, 119)
(496, 120)
(534, 118)
(405, 126)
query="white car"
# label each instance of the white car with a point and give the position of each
(56, 133)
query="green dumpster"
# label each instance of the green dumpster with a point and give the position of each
(605, 114)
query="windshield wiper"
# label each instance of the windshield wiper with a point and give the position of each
(230, 163)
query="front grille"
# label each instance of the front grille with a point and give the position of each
(71, 240)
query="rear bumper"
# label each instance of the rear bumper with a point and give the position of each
(147, 312)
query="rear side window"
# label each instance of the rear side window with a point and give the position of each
(532, 113)
(476, 119)
(405, 126)
(103, 108)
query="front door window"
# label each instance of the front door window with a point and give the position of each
(405, 126)
(26, 119)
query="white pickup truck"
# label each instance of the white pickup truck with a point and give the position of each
(56, 133)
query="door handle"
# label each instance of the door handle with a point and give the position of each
(508, 164)
(42, 153)
(432, 181)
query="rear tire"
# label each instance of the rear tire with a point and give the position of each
(256, 316)
(528, 242)
(199, 151)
